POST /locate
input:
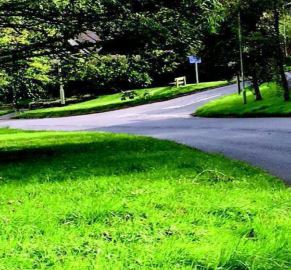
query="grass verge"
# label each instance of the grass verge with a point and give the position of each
(113, 102)
(3, 112)
(272, 105)
(104, 201)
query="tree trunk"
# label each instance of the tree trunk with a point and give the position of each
(280, 55)
(238, 83)
(256, 86)
(14, 83)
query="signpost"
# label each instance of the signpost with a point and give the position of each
(193, 59)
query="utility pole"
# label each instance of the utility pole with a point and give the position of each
(241, 58)
(238, 83)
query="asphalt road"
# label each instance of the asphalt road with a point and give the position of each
(263, 142)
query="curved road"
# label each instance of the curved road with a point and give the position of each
(264, 142)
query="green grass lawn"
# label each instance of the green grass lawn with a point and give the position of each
(232, 105)
(103, 201)
(111, 102)
(4, 111)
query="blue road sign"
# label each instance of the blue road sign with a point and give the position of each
(193, 59)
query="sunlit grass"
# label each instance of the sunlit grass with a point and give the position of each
(272, 104)
(110, 102)
(3, 112)
(104, 201)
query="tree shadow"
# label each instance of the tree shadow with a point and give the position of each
(69, 161)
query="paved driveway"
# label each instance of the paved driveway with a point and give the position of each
(264, 142)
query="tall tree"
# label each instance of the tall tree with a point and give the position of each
(278, 7)
(159, 33)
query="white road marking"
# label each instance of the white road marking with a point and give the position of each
(138, 116)
(166, 116)
(192, 103)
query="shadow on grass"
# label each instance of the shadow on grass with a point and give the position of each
(96, 159)
(54, 157)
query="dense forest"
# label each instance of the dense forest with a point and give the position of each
(104, 46)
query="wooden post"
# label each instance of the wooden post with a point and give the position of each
(238, 84)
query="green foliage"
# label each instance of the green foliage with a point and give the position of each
(111, 72)
(26, 80)
(39, 69)
(104, 201)
(260, 42)
(141, 41)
